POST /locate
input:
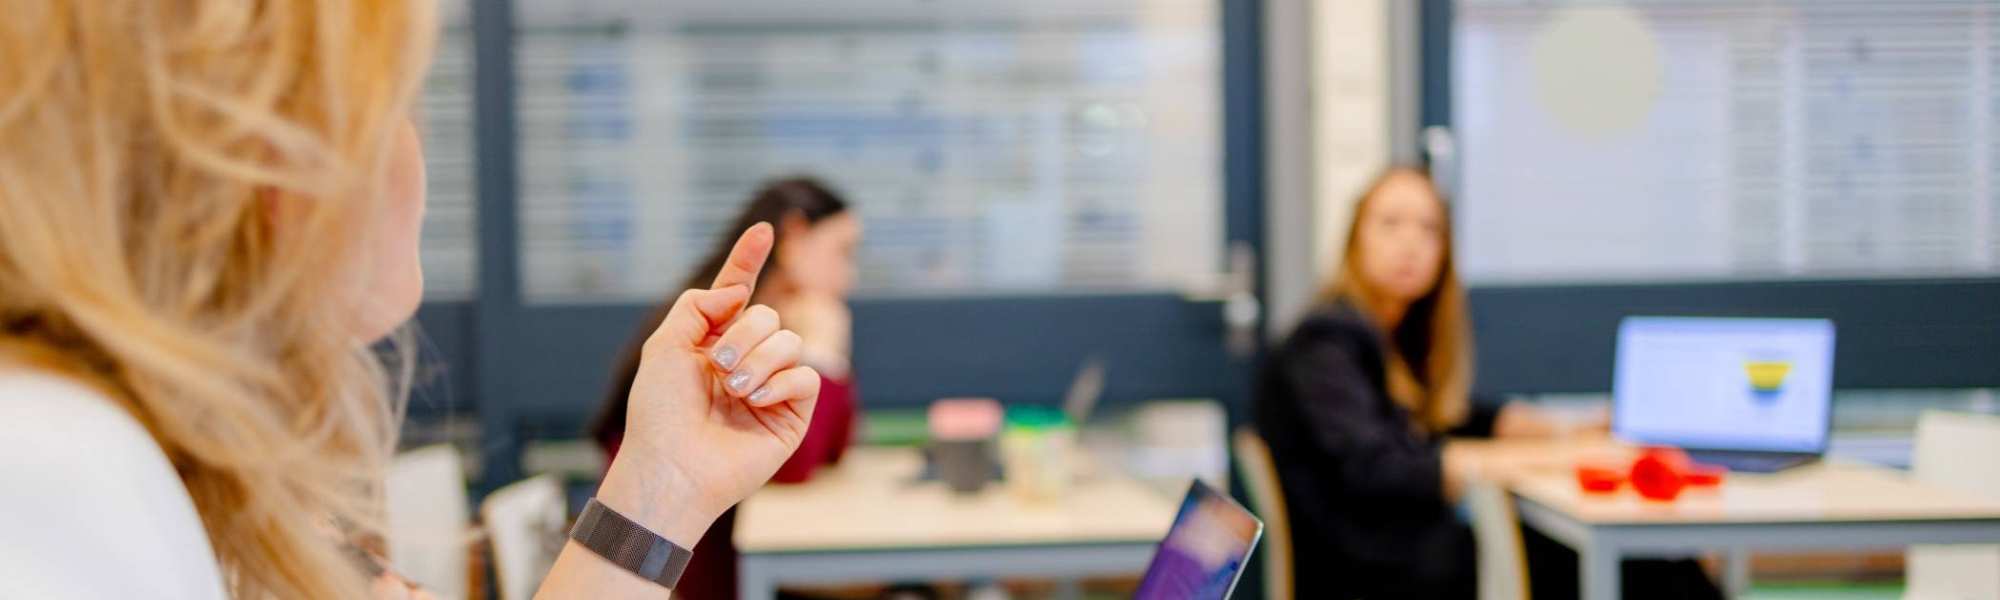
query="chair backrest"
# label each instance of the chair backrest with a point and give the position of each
(427, 519)
(1182, 438)
(1503, 565)
(1942, 457)
(1260, 477)
(526, 523)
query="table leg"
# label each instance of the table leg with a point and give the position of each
(754, 580)
(1069, 589)
(1599, 573)
(1736, 572)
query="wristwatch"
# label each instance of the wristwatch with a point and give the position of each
(629, 545)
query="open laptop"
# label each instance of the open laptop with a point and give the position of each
(1753, 395)
(1204, 553)
(1084, 391)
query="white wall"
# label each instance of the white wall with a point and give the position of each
(1351, 113)
(1340, 79)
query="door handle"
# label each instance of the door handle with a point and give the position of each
(1242, 312)
(1235, 291)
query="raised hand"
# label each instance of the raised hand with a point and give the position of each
(719, 403)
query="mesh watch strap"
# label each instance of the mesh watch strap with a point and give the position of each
(628, 545)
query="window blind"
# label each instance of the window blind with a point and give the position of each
(1689, 139)
(988, 146)
(445, 122)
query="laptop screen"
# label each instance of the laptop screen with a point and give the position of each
(1724, 384)
(1204, 553)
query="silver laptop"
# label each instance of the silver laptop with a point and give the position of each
(1084, 391)
(1753, 395)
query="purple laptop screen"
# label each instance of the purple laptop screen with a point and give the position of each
(1204, 553)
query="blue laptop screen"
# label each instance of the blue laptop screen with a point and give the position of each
(1726, 384)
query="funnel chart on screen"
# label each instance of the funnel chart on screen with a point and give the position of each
(1755, 384)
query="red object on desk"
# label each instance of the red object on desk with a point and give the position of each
(1700, 475)
(1599, 479)
(1658, 474)
(1656, 479)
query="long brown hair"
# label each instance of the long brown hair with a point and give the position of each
(772, 203)
(1435, 331)
(143, 147)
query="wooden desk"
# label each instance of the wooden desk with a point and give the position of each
(869, 520)
(1829, 505)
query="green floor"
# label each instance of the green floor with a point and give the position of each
(1825, 591)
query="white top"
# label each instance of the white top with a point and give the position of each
(89, 506)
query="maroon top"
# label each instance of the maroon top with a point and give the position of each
(711, 573)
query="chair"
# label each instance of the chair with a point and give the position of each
(1942, 457)
(1503, 564)
(525, 522)
(1260, 478)
(1177, 440)
(427, 522)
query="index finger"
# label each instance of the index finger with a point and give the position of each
(746, 260)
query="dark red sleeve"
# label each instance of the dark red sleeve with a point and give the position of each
(826, 437)
(852, 407)
(610, 442)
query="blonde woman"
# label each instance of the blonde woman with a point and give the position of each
(209, 214)
(1356, 405)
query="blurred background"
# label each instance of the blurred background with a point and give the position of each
(1163, 185)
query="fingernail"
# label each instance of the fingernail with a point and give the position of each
(759, 395)
(739, 381)
(724, 356)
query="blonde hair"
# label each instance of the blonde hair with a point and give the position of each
(1440, 398)
(146, 148)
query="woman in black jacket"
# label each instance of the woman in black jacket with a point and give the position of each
(1356, 405)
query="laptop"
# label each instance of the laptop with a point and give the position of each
(1204, 553)
(1753, 395)
(1084, 391)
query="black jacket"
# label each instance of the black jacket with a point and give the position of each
(1363, 489)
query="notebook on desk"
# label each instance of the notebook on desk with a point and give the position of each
(1753, 395)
